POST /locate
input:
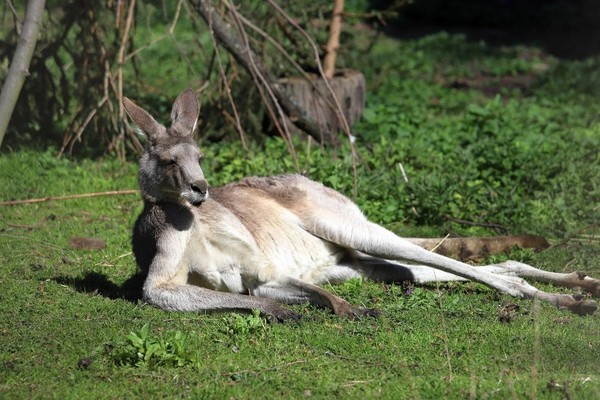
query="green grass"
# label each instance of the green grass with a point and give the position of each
(64, 322)
(527, 159)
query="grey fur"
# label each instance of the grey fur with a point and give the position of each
(259, 242)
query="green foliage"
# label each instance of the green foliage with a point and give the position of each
(509, 159)
(143, 349)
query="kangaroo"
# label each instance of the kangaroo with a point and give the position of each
(262, 242)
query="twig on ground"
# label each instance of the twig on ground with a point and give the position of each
(440, 243)
(69, 197)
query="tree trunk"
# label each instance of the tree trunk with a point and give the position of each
(314, 97)
(19, 67)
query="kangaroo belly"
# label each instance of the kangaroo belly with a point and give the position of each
(283, 242)
(294, 252)
(233, 265)
(218, 261)
(253, 243)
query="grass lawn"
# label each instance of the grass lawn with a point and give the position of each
(72, 326)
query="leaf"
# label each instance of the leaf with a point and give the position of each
(145, 331)
(477, 110)
(135, 340)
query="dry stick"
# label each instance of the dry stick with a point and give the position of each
(338, 109)
(182, 53)
(119, 72)
(161, 37)
(234, 45)
(84, 124)
(317, 89)
(272, 41)
(121, 58)
(238, 123)
(110, 77)
(176, 17)
(15, 14)
(109, 81)
(261, 85)
(333, 43)
(69, 197)
(262, 82)
(194, 16)
(440, 243)
(169, 33)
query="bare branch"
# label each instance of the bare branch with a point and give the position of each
(263, 84)
(271, 40)
(234, 44)
(338, 108)
(14, 11)
(237, 124)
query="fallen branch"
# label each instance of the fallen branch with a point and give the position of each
(68, 197)
(469, 248)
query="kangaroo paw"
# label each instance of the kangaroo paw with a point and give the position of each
(357, 312)
(281, 314)
(590, 285)
(579, 306)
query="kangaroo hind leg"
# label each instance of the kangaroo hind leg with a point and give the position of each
(374, 240)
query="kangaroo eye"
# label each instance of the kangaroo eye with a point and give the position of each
(168, 161)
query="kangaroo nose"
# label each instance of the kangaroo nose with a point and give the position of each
(200, 187)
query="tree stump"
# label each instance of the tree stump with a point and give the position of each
(315, 99)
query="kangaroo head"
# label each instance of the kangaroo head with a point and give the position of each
(170, 165)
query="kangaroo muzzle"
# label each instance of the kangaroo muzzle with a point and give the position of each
(198, 192)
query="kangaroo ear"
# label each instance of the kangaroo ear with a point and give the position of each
(148, 125)
(185, 113)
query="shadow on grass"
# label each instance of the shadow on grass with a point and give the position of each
(98, 284)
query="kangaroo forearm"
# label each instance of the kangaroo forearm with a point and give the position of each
(194, 298)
